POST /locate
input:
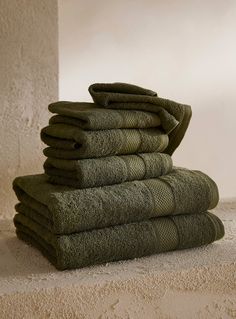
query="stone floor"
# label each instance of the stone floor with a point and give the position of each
(197, 283)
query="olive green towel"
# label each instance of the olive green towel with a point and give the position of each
(125, 119)
(110, 170)
(72, 142)
(175, 117)
(64, 209)
(89, 116)
(120, 242)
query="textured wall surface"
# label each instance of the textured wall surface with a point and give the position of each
(183, 49)
(190, 284)
(28, 82)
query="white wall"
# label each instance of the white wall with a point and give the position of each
(28, 82)
(183, 49)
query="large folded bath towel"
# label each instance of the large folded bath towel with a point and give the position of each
(174, 116)
(110, 170)
(89, 116)
(64, 209)
(71, 142)
(120, 242)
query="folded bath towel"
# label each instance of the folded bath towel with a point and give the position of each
(71, 142)
(175, 117)
(120, 242)
(89, 116)
(110, 170)
(64, 209)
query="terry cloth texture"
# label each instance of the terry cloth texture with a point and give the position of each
(89, 116)
(110, 191)
(110, 170)
(71, 142)
(120, 242)
(64, 210)
(175, 117)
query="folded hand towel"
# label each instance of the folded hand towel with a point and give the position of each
(90, 116)
(103, 171)
(71, 142)
(120, 242)
(68, 210)
(175, 117)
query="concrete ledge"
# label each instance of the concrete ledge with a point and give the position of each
(197, 283)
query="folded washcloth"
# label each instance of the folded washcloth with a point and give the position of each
(120, 242)
(174, 116)
(64, 209)
(110, 170)
(72, 142)
(89, 116)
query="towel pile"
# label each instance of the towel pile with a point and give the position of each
(110, 190)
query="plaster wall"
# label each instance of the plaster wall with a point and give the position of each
(183, 49)
(28, 82)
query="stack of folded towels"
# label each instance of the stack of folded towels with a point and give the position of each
(110, 190)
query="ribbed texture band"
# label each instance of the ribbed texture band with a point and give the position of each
(163, 199)
(166, 232)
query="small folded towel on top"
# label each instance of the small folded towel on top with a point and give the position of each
(120, 242)
(65, 210)
(89, 116)
(175, 117)
(125, 119)
(110, 170)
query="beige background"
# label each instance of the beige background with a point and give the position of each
(28, 82)
(183, 49)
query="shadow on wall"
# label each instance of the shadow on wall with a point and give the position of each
(207, 146)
